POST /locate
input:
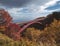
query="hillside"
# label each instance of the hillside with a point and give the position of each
(33, 35)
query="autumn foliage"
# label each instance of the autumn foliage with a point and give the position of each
(50, 36)
(31, 36)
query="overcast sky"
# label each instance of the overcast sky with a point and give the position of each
(26, 10)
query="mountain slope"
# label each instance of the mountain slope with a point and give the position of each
(31, 36)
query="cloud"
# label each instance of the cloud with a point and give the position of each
(46, 5)
(14, 3)
(19, 15)
(20, 3)
(31, 9)
(56, 6)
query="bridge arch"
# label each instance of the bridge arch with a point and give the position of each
(37, 24)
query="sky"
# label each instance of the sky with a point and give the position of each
(26, 10)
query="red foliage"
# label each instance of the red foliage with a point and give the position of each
(11, 28)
